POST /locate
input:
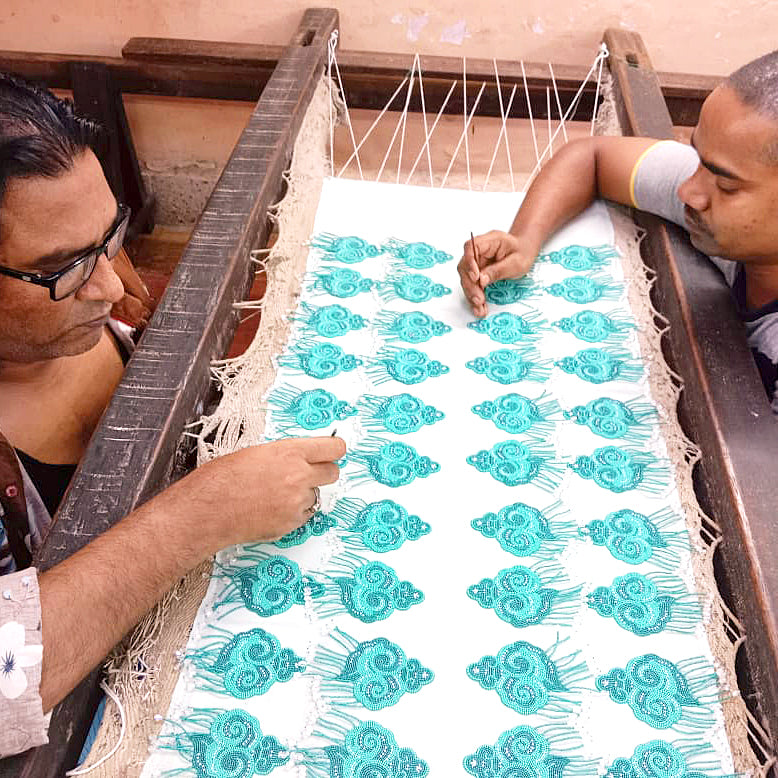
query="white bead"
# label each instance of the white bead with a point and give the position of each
(7, 595)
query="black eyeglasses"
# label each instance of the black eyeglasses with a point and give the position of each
(74, 275)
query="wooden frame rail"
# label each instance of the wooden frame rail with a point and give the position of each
(723, 407)
(239, 71)
(167, 381)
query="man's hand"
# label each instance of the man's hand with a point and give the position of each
(260, 493)
(500, 255)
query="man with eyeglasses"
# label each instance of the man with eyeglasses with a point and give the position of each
(62, 274)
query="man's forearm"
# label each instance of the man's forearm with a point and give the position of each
(91, 600)
(565, 186)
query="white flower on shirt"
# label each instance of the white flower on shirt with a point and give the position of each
(14, 655)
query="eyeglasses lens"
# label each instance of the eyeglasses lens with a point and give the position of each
(75, 278)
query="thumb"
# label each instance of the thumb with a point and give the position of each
(511, 266)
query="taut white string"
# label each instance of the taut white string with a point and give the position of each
(399, 121)
(343, 94)
(85, 770)
(548, 116)
(463, 136)
(505, 115)
(424, 119)
(416, 65)
(558, 102)
(597, 90)
(529, 110)
(465, 121)
(330, 56)
(434, 125)
(373, 125)
(503, 131)
(603, 53)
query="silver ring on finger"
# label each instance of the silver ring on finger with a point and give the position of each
(316, 505)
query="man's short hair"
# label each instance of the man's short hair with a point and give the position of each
(756, 84)
(40, 134)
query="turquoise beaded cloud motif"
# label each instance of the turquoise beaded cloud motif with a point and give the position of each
(390, 463)
(268, 586)
(341, 282)
(583, 290)
(405, 365)
(409, 327)
(378, 526)
(232, 746)
(600, 365)
(613, 419)
(521, 597)
(312, 409)
(509, 366)
(659, 693)
(398, 413)
(634, 538)
(622, 470)
(319, 524)
(509, 291)
(527, 679)
(516, 413)
(580, 259)
(318, 359)
(647, 605)
(523, 530)
(243, 665)
(412, 287)
(329, 321)
(418, 255)
(349, 249)
(377, 673)
(660, 759)
(510, 327)
(596, 327)
(514, 463)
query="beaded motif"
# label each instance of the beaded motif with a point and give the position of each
(659, 693)
(621, 470)
(232, 746)
(599, 365)
(349, 249)
(370, 592)
(523, 530)
(637, 604)
(399, 413)
(509, 366)
(378, 526)
(243, 665)
(391, 463)
(413, 287)
(514, 463)
(580, 259)
(407, 366)
(516, 413)
(329, 321)
(634, 538)
(612, 419)
(319, 360)
(373, 674)
(315, 527)
(409, 327)
(528, 680)
(342, 282)
(520, 596)
(312, 409)
(418, 255)
(583, 290)
(660, 759)
(509, 291)
(596, 327)
(509, 327)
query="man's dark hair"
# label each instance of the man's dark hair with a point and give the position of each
(40, 134)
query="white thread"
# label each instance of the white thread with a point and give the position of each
(399, 121)
(529, 111)
(85, 770)
(7, 595)
(424, 118)
(416, 64)
(503, 131)
(604, 52)
(464, 119)
(330, 56)
(463, 136)
(434, 125)
(345, 104)
(548, 116)
(373, 125)
(558, 102)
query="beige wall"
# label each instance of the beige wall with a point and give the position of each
(701, 36)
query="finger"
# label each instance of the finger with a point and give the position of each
(512, 266)
(324, 449)
(472, 289)
(324, 473)
(467, 265)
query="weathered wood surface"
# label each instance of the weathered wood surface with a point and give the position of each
(167, 381)
(238, 71)
(724, 408)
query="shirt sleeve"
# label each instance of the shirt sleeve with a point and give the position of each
(21, 653)
(657, 174)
